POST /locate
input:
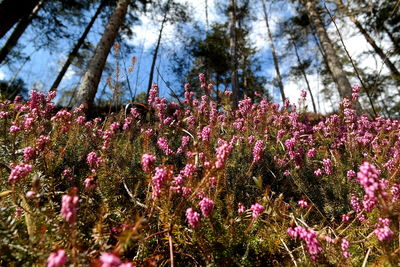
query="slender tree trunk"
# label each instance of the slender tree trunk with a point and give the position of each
(332, 59)
(233, 46)
(395, 72)
(395, 44)
(18, 31)
(206, 7)
(153, 63)
(11, 11)
(75, 49)
(304, 75)
(274, 56)
(91, 78)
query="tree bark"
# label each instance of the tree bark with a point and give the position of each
(333, 60)
(91, 78)
(273, 51)
(206, 7)
(11, 11)
(18, 31)
(395, 72)
(395, 44)
(75, 49)
(304, 75)
(233, 47)
(153, 63)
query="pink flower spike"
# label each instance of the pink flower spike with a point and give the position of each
(57, 259)
(193, 218)
(257, 209)
(303, 204)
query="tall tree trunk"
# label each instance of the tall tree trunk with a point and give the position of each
(274, 56)
(153, 63)
(91, 78)
(395, 44)
(18, 31)
(75, 49)
(11, 11)
(233, 47)
(304, 75)
(332, 59)
(206, 7)
(395, 72)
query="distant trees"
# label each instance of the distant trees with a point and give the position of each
(302, 45)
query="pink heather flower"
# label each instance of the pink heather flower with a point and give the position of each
(368, 203)
(89, 183)
(250, 139)
(241, 208)
(384, 233)
(193, 218)
(19, 171)
(69, 207)
(395, 190)
(368, 177)
(345, 218)
(227, 93)
(257, 209)
(186, 191)
(80, 119)
(286, 173)
(114, 126)
(345, 247)
(257, 150)
(303, 94)
(18, 211)
(311, 153)
(57, 259)
(202, 78)
(351, 174)
(223, 151)
(355, 204)
(158, 180)
(14, 129)
(162, 144)
(50, 96)
(318, 172)
(147, 162)
(206, 133)
(356, 88)
(212, 182)
(30, 194)
(29, 152)
(310, 237)
(41, 141)
(109, 260)
(93, 160)
(152, 94)
(206, 206)
(303, 204)
(327, 166)
(189, 170)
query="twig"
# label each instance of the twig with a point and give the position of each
(358, 215)
(153, 235)
(169, 87)
(366, 258)
(290, 253)
(132, 196)
(171, 248)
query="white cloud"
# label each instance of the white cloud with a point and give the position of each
(2, 75)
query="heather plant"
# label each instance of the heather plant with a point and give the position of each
(191, 183)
